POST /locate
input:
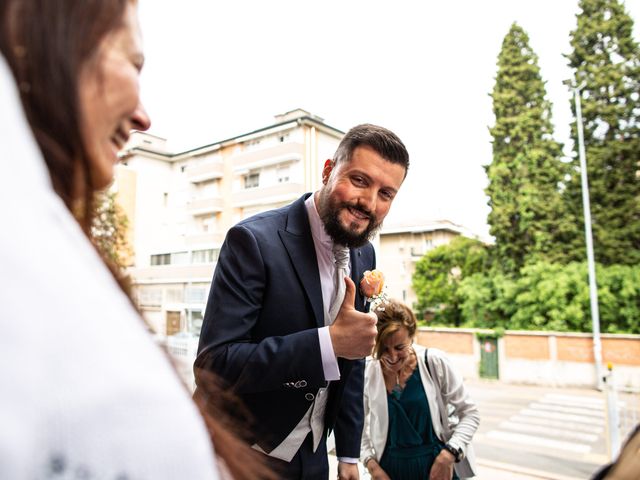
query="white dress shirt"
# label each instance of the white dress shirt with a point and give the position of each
(327, 269)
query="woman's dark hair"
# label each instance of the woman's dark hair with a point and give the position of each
(392, 316)
(47, 43)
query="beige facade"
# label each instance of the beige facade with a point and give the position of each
(180, 205)
(400, 247)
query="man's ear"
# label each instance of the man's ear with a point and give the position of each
(326, 170)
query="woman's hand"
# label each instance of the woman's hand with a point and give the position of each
(442, 468)
(376, 471)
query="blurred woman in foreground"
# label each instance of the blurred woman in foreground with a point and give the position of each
(86, 392)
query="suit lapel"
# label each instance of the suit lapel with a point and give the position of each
(298, 242)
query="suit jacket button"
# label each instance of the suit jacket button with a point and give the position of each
(301, 384)
(309, 396)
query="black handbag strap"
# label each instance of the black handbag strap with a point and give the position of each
(426, 360)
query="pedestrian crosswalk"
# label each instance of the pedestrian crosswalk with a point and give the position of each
(564, 423)
(520, 424)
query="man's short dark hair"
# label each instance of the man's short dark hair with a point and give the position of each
(384, 142)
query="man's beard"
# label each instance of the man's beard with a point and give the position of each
(329, 212)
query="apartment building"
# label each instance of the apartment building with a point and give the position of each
(180, 205)
(401, 246)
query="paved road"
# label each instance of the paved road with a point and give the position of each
(560, 433)
(534, 433)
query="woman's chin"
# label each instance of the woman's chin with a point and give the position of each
(394, 367)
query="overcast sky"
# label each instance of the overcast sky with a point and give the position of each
(424, 69)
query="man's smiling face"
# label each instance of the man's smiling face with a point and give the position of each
(357, 195)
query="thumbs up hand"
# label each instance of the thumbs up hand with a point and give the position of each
(353, 333)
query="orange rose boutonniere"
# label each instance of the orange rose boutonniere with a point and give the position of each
(371, 286)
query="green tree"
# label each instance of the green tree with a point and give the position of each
(619, 298)
(525, 176)
(109, 230)
(486, 300)
(439, 273)
(606, 60)
(551, 296)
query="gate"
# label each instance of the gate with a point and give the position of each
(489, 357)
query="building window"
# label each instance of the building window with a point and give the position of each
(149, 297)
(283, 174)
(210, 224)
(161, 259)
(209, 255)
(196, 294)
(209, 189)
(195, 319)
(176, 258)
(174, 295)
(252, 180)
(179, 258)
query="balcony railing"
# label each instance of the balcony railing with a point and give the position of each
(202, 172)
(282, 192)
(283, 152)
(209, 240)
(203, 206)
(172, 273)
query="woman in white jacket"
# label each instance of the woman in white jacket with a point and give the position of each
(419, 419)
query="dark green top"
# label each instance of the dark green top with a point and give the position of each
(412, 445)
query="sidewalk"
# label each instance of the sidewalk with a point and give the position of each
(487, 470)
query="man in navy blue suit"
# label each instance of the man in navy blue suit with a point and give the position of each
(285, 326)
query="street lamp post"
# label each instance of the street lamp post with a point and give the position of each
(586, 207)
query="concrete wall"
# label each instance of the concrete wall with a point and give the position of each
(542, 358)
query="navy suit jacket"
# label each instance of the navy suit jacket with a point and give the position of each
(260, 328)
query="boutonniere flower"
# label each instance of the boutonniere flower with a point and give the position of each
(371, 286)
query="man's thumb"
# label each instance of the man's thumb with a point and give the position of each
(349, 294)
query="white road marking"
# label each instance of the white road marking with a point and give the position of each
(562, 416)
(558, 432)
(574, 399)
(588, 412)
(523, 439)
(579, 427)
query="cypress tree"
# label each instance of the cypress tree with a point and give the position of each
(525, 176)
(606, 60)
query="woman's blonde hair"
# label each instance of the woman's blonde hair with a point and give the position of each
(392, 316)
